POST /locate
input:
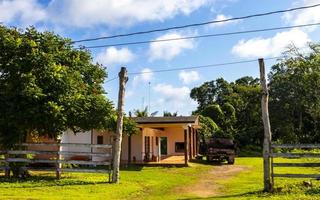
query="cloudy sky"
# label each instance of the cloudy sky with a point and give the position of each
(81, 19)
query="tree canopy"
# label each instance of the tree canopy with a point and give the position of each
(47, 86)
(294, 102)
(295, 97)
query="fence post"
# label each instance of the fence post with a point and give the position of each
(7, 167)
(267, 129)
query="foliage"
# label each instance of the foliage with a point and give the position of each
(294, 103)
(234, 107)
(169, 114)
(295, 97)
(129, 125)
(208, 127)
(222, 115)
(141, 113)
(47, 86)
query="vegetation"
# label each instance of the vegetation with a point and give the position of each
(47, 87)
(294, 102)
(169, 114)
(163, 183)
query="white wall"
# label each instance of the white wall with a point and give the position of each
(81, 137)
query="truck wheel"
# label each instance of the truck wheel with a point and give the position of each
(230, 160)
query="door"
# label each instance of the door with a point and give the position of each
(164, 145)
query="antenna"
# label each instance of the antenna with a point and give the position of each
(142, 105)
(149, 97)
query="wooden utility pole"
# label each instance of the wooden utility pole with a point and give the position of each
(123, 78)
(267, 129)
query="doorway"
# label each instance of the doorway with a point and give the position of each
(164, 145)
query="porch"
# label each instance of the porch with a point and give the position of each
(167, 140)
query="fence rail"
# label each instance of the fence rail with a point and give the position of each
(56, 158)
(294, 155)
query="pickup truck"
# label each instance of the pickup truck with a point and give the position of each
(221, 149)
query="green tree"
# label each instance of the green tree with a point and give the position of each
(234, 106)
(295, 97)
(224, 116)
(47, 87)
(208, 128)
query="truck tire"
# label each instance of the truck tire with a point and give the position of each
(230, 160)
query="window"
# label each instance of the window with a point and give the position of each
(179, 147)
(100, 139)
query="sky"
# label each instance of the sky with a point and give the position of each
(169, 91)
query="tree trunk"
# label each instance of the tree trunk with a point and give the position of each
(123, 78)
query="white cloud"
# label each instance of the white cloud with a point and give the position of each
(188, 76)
(170, 49)
(26, 12)
(306, 16)
(91, 13)
(273, 46)
(112, 55)
(119, 13)
(173, 98)
(221, 17)
(145, 76)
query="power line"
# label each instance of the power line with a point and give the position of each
(203, 66)
(197, 67)
(114, 78)
(200, 36)
(198, 24)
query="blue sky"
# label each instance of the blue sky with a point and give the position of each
(169, 90)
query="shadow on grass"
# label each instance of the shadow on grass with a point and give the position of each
(131, 167)
(259, 193)
(235, 196)
(204, 162)
(45, 181)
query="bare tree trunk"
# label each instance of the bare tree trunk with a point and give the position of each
(123, 78)
(267, 129)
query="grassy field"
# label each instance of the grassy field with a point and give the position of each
(241, 181)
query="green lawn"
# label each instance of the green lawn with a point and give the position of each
(159, 183)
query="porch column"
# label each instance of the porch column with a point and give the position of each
(193, 143)
(190, 148)
(185, 147)
(197, 142)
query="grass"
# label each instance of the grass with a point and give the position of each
(158, 183)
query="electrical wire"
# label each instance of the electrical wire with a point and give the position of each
(114, 78)
(203, 66)
(198, 24)
(200, 36)
(198, 67)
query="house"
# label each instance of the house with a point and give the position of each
(159, 140)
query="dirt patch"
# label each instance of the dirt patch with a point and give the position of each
(208, 182)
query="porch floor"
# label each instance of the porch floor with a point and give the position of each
(172, 159)
(165, 160)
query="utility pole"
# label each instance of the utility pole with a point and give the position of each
(267, 129)
(123, 78)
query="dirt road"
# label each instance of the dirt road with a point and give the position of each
(208, 185)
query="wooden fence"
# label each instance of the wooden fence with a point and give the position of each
(294, 155)
(54, 158)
